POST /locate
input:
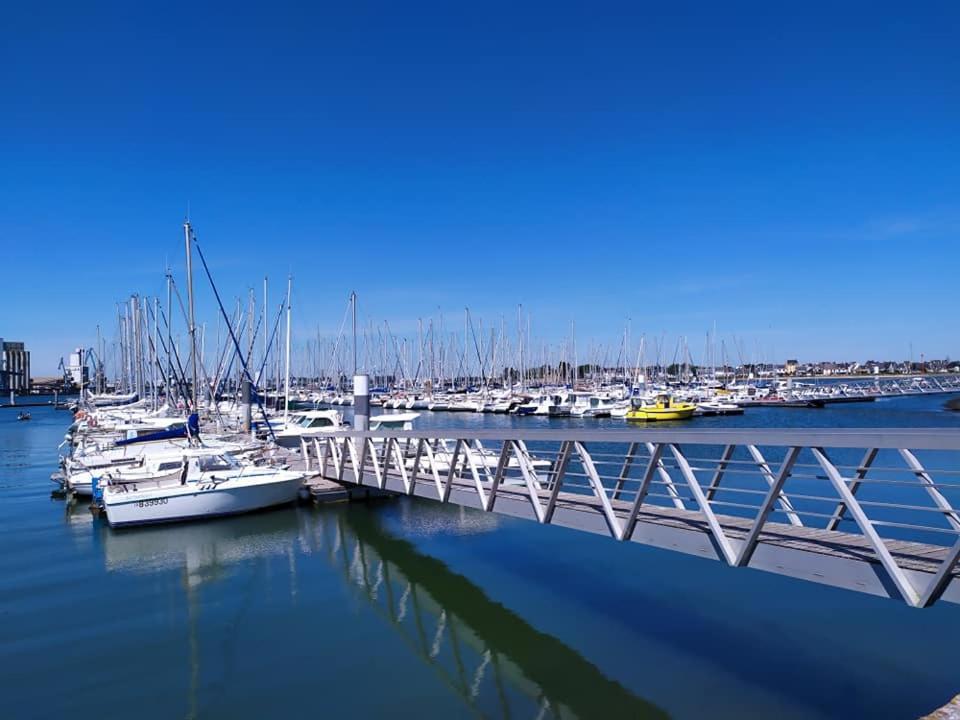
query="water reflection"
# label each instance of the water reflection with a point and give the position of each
(495, 662)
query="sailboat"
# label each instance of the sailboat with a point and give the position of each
(205, 486)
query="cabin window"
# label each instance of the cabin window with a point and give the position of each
(216, 462)
(321, 422)
(169, 466)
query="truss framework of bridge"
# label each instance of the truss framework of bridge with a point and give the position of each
(874, 511)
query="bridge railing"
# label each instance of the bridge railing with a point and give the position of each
(871, 510)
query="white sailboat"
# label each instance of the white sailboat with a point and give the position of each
(204, 486)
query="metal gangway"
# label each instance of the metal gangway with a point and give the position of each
(869, 510)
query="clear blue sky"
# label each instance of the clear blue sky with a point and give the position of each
(790, 172)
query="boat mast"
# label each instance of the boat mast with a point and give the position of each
(266, 333)
(520, 342)
(193, 329)
(169, 366)
(99, 361)
(286, 392)
(353, 307)
(155, 352)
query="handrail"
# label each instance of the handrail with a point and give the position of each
(828, 523)
(879, 438)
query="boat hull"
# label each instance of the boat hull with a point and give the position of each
(655, 415)
(183, 503)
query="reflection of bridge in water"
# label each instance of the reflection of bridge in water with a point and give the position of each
(490, 658)
(487, 655)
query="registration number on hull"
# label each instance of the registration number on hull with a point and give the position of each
(150, 503)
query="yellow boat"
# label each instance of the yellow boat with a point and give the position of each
(665, 408)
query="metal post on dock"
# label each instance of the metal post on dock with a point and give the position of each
(361, 402)
(245, 404)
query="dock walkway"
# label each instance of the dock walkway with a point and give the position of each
(660, 498)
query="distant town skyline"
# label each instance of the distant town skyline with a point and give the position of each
(789, 180)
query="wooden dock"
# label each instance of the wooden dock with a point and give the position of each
(321, 490)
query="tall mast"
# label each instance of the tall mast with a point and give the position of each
(155, 352)
(573, 342)
(169, 366)
(520, 343)
(286, 392)
(193, 328)
(353, 306)
(266, 334)
(99, 361)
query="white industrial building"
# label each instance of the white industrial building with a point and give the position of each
(14, 366)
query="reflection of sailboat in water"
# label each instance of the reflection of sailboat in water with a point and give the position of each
(497, 663)
(203, 552)
(203, 549)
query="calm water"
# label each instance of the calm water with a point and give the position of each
(399, 608)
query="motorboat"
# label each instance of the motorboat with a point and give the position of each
(393, 421)
(710, 408)
(663, 408)
(203, 486)
(307, 423)
(80, 470)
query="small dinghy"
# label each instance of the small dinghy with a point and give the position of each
(23, 416)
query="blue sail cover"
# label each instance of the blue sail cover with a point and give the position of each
(177, 431)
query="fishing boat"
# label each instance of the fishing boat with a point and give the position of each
(663, 408)
(203, 487)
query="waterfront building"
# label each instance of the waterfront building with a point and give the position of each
(77, 369)
(14, 366)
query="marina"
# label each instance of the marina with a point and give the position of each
(304, 552)
(853, 491)
(554, 361)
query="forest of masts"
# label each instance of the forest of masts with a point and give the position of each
(151, 348)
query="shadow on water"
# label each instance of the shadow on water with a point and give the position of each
(440, 612)
(489, 657)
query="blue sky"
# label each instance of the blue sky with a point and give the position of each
(788, 173)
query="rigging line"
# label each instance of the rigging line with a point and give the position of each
(179, 373)
(273, 334)
(336, 345)
(233, 337)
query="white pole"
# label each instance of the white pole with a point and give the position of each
(286, 399)
(361, 402)
(193, 327)
(266, 334)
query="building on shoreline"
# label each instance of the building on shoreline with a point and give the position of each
(14, 366)
(77, 371)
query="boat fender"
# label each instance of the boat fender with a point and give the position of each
(96, 489)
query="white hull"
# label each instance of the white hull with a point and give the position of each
(200, 500)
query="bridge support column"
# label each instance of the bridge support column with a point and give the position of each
(361, 402)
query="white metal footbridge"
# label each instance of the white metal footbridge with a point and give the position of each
(875, 511)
